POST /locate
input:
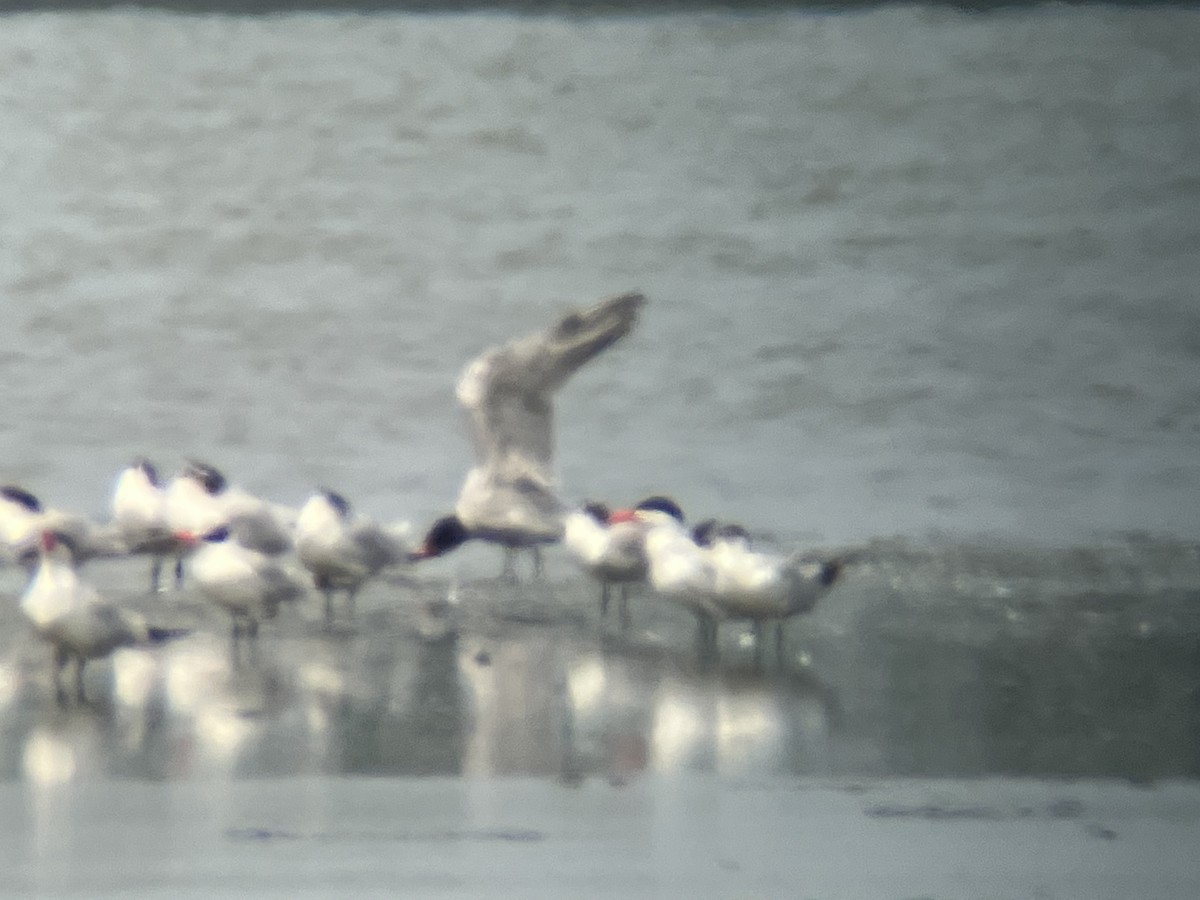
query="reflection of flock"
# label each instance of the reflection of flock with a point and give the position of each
(231, 543)
(519, 700)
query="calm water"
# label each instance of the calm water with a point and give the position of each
(909, 270)
(920, 282)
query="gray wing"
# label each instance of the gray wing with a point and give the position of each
(508, 391)
(379, 547)
(279, 586)
(91, 540)
(260, 530)
(113, 627)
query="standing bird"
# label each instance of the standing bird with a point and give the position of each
(342, 550)
(23, 519)
(679, 569)
(611, 548)
(247, 584)
(71, 616)
(139, 510)
(199, 500)
(715, 571)
(510, 496)
(763, 587)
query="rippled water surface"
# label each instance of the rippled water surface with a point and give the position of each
(908, 270)
(920, 283)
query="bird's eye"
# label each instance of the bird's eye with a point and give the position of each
(572, 324)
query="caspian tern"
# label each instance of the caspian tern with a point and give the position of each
(72, 617)
(23, 519)
(510, 497)
(677, 568)
(716, 572)
(200, 500)
(343, 550)
(247, 584)
(611, 547)
(763, 587)
(139, 510)
(595, 546)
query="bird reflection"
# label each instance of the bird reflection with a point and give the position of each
(609, 714)
(403, 713)
(518, 704)
(736, 724)
(484, 694)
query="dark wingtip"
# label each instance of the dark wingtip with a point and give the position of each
(634, 299)
(162, 635)
(702, 534)
(217, 535)
(628, 306)
(830, 572)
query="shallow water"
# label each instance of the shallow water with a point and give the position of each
(504, 741)
(921, 283)
(909, 270)
(660, 837)
(915, 664)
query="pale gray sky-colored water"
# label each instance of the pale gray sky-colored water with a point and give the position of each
(918, 279)
(909, 270)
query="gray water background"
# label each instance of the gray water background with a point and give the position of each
(920, 281)
(910, 270)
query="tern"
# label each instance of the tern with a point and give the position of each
(23, 519)
(716, 573)
(247, 584)
(764, 587)
(70, 615)
(610, 547)
(342, 550)
(200, 500)
(139, 511)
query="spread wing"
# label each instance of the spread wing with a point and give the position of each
(508, 391)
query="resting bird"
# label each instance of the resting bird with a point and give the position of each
(763, 587)
(23, 519)
(139, 510)
(199, 500)
(247, 584)
(510, 497)
(610, 547)
(71, 616)
(344, 551)
(715, 572)
(676, 568)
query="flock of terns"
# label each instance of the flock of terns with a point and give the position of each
(231, 543)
